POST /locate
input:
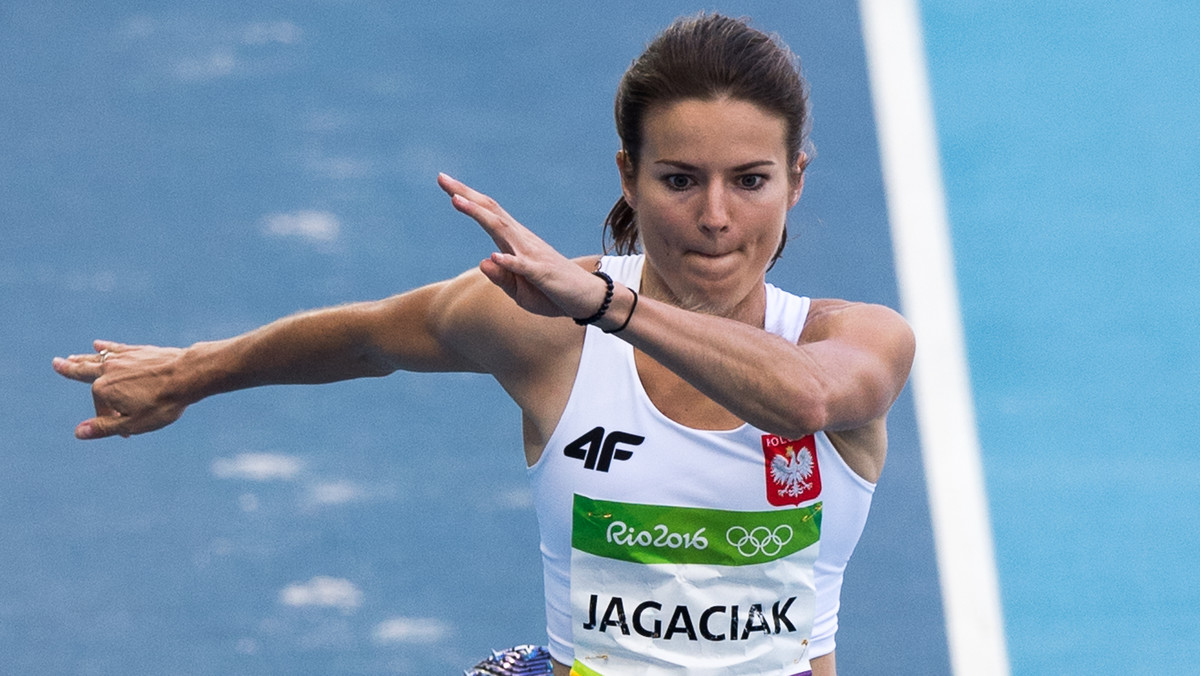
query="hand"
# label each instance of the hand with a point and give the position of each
(130, 388)
(530, 271)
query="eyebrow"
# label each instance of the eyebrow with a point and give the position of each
(741, 167)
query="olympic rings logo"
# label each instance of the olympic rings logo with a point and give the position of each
(759, 540)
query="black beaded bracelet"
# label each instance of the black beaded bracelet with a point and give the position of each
(628, 316)
(608, 294)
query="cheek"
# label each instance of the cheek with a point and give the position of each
(769, 220)
(659, 224)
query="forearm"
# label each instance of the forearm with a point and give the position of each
(845, 372)
(757, 376)
(367, 339)
(320, 346)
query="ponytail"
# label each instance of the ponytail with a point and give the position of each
(621, 227)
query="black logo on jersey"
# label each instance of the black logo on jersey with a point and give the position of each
(597, 451)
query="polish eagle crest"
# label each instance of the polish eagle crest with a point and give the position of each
(792, 471)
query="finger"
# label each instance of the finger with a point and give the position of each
(475, 210)
(87, 367)
(84, 368)
(522, 266)
(512, 265)
(499, 276)
(498, 228)
(453, 187)
(449, 184)
(111, 347)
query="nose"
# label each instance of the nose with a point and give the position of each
(714, 212)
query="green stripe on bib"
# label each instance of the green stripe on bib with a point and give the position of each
(658, 534)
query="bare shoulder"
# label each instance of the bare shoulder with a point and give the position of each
(834, 317)
(533, 357)
(876, 329)
(876, 333)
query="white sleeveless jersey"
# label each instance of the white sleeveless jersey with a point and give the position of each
(671, 550)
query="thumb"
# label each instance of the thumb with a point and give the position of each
(499, 275)
(100, 427)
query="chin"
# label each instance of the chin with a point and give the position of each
(708, 289)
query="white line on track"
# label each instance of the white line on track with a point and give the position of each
(928, 293)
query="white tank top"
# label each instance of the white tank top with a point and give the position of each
(670, 550)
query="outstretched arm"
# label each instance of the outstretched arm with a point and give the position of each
(140, 388)
(463, 324)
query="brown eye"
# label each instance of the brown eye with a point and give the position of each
(752, 181)
(678, 181)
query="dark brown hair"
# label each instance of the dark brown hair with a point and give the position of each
(707, 57)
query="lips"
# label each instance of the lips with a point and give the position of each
(711, 255)
(713, 265)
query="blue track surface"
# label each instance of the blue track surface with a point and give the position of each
(1071, 153)
(189, 171)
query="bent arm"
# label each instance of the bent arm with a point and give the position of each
(848, 367)
(845, 372)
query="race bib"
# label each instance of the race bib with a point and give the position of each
(668, 590)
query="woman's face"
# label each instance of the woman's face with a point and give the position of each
(711, 191)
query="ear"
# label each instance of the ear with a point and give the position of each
(628, 178)
(798, 187)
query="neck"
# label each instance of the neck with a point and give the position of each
(749, 309)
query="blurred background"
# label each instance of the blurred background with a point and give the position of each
(1071, 157)
(179, 171)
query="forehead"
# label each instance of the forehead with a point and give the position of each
(713, 132)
